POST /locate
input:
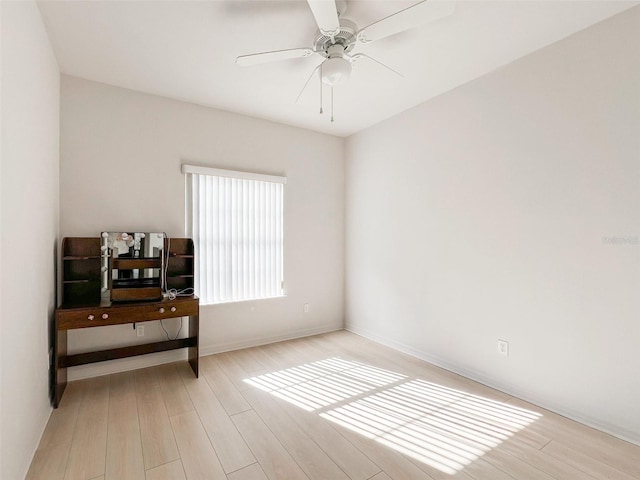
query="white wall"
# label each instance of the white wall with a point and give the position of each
(1, 155)
(121, 153)
(480, 215)
(30, 205)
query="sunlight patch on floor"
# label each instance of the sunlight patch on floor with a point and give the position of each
(319, 384)
(437, 425)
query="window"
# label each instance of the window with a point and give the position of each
(236, 223)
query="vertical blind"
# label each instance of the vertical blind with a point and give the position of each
(237, 229)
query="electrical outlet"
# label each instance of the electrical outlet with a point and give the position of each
(139, 330)
(305, 307)
(503, 347)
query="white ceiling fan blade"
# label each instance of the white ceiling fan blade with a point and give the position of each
(258, 58)
(326, 14)
(412, 17)
(357, 56)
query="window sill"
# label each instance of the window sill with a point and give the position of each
(229, 302)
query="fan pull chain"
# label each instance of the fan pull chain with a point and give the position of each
(332, 103)
(321, 88)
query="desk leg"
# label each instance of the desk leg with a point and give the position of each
(60, 374)
(194, 331)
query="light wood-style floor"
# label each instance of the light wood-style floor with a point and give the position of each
(330, 407)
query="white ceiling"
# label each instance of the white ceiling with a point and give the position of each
(186, 50)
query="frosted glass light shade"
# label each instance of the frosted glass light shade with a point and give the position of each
(335, 70)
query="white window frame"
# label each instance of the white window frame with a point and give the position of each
(216, 287)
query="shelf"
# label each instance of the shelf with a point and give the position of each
(77, 248)
(83, 277)
(80, 291)
(81, 270)
(178, 247)
(135, 263)
(65, 361)
(135, 282)
(135, 294)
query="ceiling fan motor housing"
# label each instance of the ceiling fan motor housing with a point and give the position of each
(346, 37)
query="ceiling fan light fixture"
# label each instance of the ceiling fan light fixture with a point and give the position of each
(335, 70)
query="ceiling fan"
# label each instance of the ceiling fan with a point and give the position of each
(338, 37)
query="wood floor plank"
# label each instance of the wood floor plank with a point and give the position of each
(246, 361)
(158, 445)
(351, 460)
(88, 450)
(530, 437)
(252, 472)
(124, 444)
(263, 362)
(515, 467)
(391, 462)
(598, 445)
(381, 476)
(611, 451)
(481, 470)
(304, 352)
(229, 396)
(50, 459)
(233, 370)
(309, 347)
(285, 357)
(274, 459)
(198, 456)
(231, 448)
(312, 459)
(168, 471)
(541, 460)
(176, 398)
(585, 463)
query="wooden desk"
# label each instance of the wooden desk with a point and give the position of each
(69, 318)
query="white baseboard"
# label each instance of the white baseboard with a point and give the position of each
(264, 340)
(153, 359)
(531, 397)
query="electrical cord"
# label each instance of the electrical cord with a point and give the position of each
(166, 263)
(167, 333)
(172, 293)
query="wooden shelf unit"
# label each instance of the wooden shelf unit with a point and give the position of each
(180, 263)
(83, 307)
(81, 274)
